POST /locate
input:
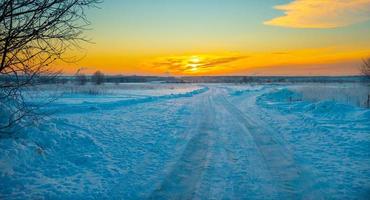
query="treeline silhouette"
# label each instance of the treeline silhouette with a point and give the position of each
(100, 78)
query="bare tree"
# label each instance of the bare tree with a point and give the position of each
(33, 35)
(98, 78)
(365, 68)
(80, 77)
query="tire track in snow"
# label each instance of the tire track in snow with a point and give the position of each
(250, 162)
(290, 180)
(184, 179)
(220, 160)
(235, 169)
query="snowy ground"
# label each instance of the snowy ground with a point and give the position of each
(214, 141)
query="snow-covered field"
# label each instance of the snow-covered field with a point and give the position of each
(206, 141)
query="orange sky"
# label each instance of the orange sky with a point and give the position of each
(301, 37)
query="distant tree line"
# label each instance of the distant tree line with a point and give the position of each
(81, 79)
(99, 78)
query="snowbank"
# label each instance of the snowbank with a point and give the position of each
(238, 91)
(355, 94)
(287, 101)
(88, 106)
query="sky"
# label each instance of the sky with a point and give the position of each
(226, 37)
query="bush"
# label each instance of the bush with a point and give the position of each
(98, 78)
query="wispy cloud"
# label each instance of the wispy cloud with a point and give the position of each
(322, 13)
(194, 64)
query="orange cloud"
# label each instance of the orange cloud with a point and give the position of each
(322, 13)
(194, 64)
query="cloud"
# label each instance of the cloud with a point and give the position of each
(186, 64)
(322, 13)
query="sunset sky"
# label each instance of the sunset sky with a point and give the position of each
(226, 37)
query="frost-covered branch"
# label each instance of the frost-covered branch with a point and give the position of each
(33, 35)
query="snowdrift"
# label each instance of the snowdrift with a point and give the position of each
(287, 101)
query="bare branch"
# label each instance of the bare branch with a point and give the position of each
(365, 68)
(33, 35)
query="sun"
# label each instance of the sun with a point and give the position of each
(194, 60)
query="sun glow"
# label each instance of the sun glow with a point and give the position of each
(193, 63)
(193, 67)
(194, 59)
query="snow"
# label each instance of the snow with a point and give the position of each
(347, 93)
(210, 141)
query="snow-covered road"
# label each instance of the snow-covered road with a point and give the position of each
(232, 155)
(220, 142)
